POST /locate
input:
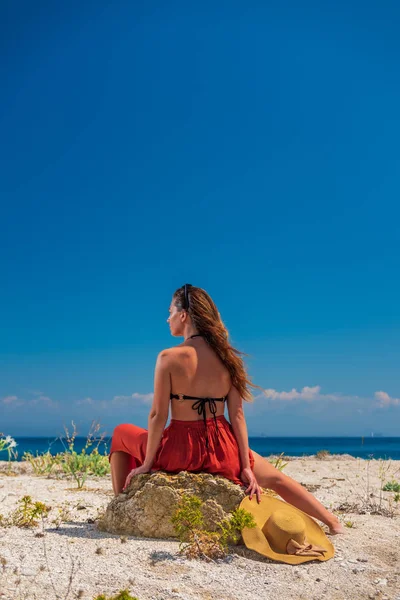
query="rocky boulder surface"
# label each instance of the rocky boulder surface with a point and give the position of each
(146, 507)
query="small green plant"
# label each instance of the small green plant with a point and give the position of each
(231, 528)
(391, 486)
(64, 515)
(122, 595)
(279, 463)
(27, 513)
(42, 464)
(321, 454)
(195, 540)
(349, 524)
(7, 444)
(80, 465)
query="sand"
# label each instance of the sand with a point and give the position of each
(74, 560)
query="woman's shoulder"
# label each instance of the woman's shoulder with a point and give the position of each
(171, 354)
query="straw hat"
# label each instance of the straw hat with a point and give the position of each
(284, 533)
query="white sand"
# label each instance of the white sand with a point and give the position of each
(366, 564)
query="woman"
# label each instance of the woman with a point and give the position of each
(197, 377)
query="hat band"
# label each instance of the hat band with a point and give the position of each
(305, 549)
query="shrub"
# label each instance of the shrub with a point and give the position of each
(391, 486)
(80, 466)
(321, 454)
(26, 514)
(41, 463)
(195, 540)
(122, 595)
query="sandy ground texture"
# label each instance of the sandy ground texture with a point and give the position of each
(74, 560)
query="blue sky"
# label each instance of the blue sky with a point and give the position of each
(252, 150)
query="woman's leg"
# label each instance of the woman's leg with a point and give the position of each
(294, 493)
(128, 449)
(120, 463)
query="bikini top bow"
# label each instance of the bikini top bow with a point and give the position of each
(200, 406)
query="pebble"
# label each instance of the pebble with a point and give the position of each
(28, 572)
(380, 581)
(362, 559)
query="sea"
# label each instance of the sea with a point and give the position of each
(360, 447)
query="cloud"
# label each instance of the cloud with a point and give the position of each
(85, 402)
(10, 399)
(385, 400)
(38, 400)
(42, 399)
(144, 399)
(119, 401)
(306, 394)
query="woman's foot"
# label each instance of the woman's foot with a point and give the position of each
(335, 527)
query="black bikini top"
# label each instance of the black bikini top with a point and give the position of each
(201, 403)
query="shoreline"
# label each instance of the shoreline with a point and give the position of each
(285, 457)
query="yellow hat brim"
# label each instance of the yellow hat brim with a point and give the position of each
(255, 539)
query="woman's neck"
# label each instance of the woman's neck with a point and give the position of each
(191, 335)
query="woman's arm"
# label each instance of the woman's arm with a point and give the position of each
(238, 422)
(160, 409)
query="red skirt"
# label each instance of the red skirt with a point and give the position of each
(183, 448)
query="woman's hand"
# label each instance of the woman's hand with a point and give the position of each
(138, 471)
(248, 477)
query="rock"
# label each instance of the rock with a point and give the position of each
(146, 507)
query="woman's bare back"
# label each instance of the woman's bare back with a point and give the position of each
(196, 370)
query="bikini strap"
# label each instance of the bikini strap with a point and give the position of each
(185, 397)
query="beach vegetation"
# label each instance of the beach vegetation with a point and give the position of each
(79, 465)
(64, 515)
(26, 514)
(391, 486)
(42, 464)
(8, 444)
(279, 462)
(122, 595)
(75, 465)
(322, 454)
(349, 524)
(196, 541)
(371, 500)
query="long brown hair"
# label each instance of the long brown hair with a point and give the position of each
(208, 322)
